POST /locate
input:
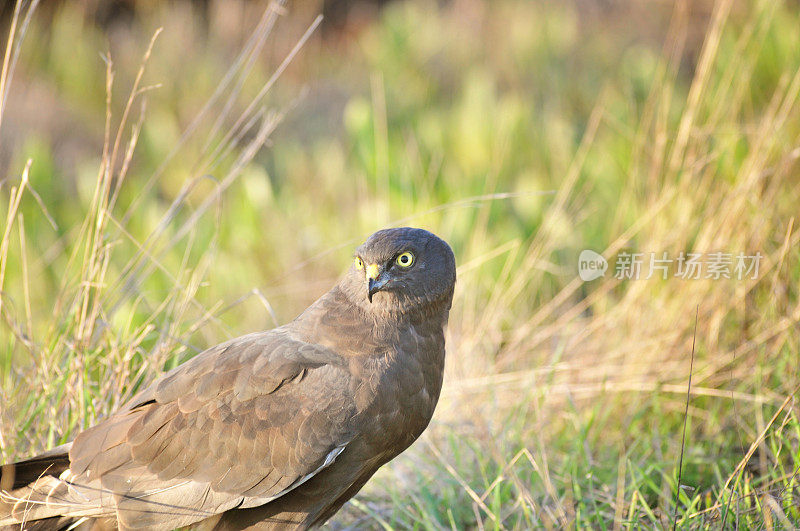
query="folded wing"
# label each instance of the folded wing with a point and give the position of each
(237, 426)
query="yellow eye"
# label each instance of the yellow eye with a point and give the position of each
(359, 263)
(405, 259)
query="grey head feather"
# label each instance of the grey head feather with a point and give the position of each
(428, 281)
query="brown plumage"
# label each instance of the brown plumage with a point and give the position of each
(271, 430)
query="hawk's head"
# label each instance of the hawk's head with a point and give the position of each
(402, 269)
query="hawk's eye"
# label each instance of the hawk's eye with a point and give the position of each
(359, 263)
(405, 259)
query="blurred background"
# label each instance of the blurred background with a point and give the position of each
(178, 173)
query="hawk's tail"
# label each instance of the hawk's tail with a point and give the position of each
(18, 475)
(30, 491)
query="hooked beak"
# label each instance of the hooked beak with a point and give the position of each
(376, 278)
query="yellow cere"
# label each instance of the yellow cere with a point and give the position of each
(359, 263)
(373, 271)
(405, 259)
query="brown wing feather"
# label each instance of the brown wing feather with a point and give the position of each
(239, 423)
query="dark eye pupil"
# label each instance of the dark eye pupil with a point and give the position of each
(404, 259)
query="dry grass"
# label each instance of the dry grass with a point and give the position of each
(564, 401)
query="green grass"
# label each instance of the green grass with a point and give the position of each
(522, 133)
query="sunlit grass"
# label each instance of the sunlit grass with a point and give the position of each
(520, 132)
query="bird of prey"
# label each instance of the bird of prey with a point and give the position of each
(272, 430)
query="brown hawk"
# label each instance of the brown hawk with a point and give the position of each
(271, 430)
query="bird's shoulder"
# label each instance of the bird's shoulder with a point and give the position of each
(248, 366)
